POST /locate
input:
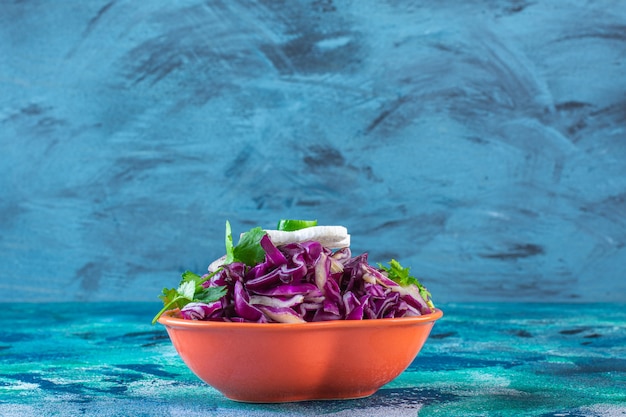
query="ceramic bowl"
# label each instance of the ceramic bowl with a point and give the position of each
(283, 362)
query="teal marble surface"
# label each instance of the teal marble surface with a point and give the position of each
(482, 359)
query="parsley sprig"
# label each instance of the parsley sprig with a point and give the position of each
(190, 290)
(248, 250)
(403, 277)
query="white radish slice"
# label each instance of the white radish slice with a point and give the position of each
(333, 237)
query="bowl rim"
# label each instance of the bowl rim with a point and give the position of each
(168, 319)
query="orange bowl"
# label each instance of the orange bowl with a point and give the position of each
(282, 362)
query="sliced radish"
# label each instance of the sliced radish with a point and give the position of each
(333, 237)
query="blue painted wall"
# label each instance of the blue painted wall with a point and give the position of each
(481, 142)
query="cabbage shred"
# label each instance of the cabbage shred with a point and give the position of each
(306, 282)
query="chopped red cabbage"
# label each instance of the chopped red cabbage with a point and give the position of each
(305, 282)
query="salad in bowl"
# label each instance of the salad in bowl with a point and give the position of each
(289, 314)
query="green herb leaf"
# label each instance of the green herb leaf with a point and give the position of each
(178, 301)
(189, 276)
(230, 256)
(187, 290)
(249, 250)
(190, 290)
(168, 295)
(289, 225)
(403, 277)
(208, 295)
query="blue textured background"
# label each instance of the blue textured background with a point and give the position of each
(483, 143)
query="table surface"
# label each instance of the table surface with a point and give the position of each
(106, 359)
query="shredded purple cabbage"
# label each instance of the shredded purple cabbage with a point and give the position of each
(306, 282)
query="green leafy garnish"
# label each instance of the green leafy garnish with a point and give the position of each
(249, 250)
(189, 290)
(403, 277)
(289, 225)
(229, 245)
